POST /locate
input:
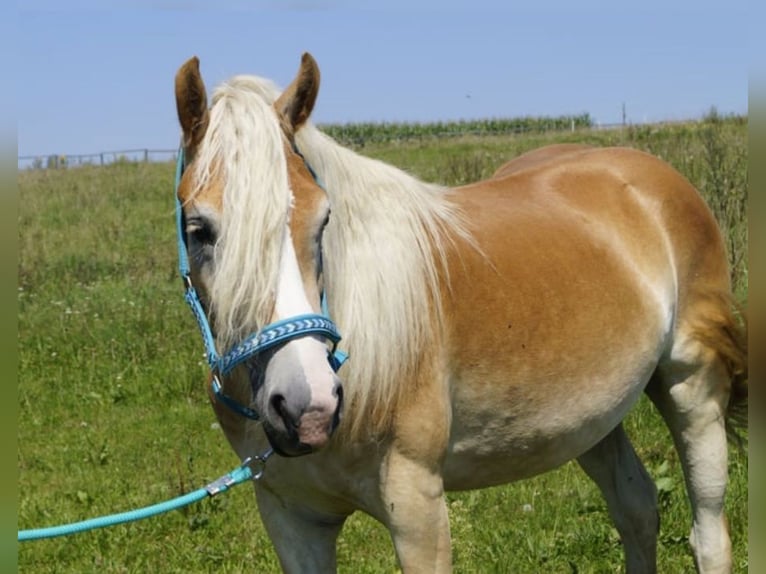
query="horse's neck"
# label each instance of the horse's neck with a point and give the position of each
(343, 171)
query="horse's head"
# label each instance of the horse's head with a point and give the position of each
(254, 217)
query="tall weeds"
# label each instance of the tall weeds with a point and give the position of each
(724, 185)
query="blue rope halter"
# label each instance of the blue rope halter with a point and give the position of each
(271, 336)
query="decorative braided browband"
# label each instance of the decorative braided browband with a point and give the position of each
(275, 334)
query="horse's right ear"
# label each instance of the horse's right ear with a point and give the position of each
(191, 103)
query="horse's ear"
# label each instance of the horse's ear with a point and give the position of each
(191, 103)
(297, 101)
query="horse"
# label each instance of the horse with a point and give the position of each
(495, 330)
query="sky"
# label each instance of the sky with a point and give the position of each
(98, 75)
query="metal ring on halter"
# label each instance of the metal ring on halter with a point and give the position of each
(257, 463)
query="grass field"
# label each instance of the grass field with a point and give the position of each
(113, 412)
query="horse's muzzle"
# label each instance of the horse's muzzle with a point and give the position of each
(295, 425)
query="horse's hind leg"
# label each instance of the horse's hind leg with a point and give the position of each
(692, 398)
(630, 496)
(703, 380)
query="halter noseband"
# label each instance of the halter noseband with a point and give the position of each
(272, 335)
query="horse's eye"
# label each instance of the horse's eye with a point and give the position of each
(200, 231)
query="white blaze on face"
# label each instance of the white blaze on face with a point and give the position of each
(291, 297)
(311, 354)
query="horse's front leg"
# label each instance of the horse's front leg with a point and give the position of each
(305, 541)
(415, 512)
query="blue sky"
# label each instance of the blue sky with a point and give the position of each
(98, 75)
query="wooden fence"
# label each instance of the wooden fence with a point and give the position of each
(58, 161)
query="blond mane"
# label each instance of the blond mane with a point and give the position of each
(385, 251)
(384, 248)
(243, 147)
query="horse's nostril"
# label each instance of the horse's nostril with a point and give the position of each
(337, 415)
(279, 404)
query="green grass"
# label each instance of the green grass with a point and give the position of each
(113, 412)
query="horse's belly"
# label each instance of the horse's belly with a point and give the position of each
(513, 433)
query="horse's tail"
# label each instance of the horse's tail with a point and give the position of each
(724, 329)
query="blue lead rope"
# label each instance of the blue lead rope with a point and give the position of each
(241, 474)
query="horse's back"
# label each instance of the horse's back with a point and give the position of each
(629, 191)
(538, 156)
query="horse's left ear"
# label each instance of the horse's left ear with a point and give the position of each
(191, 104)
(297, 101)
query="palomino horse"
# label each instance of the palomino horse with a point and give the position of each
(495, 331)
